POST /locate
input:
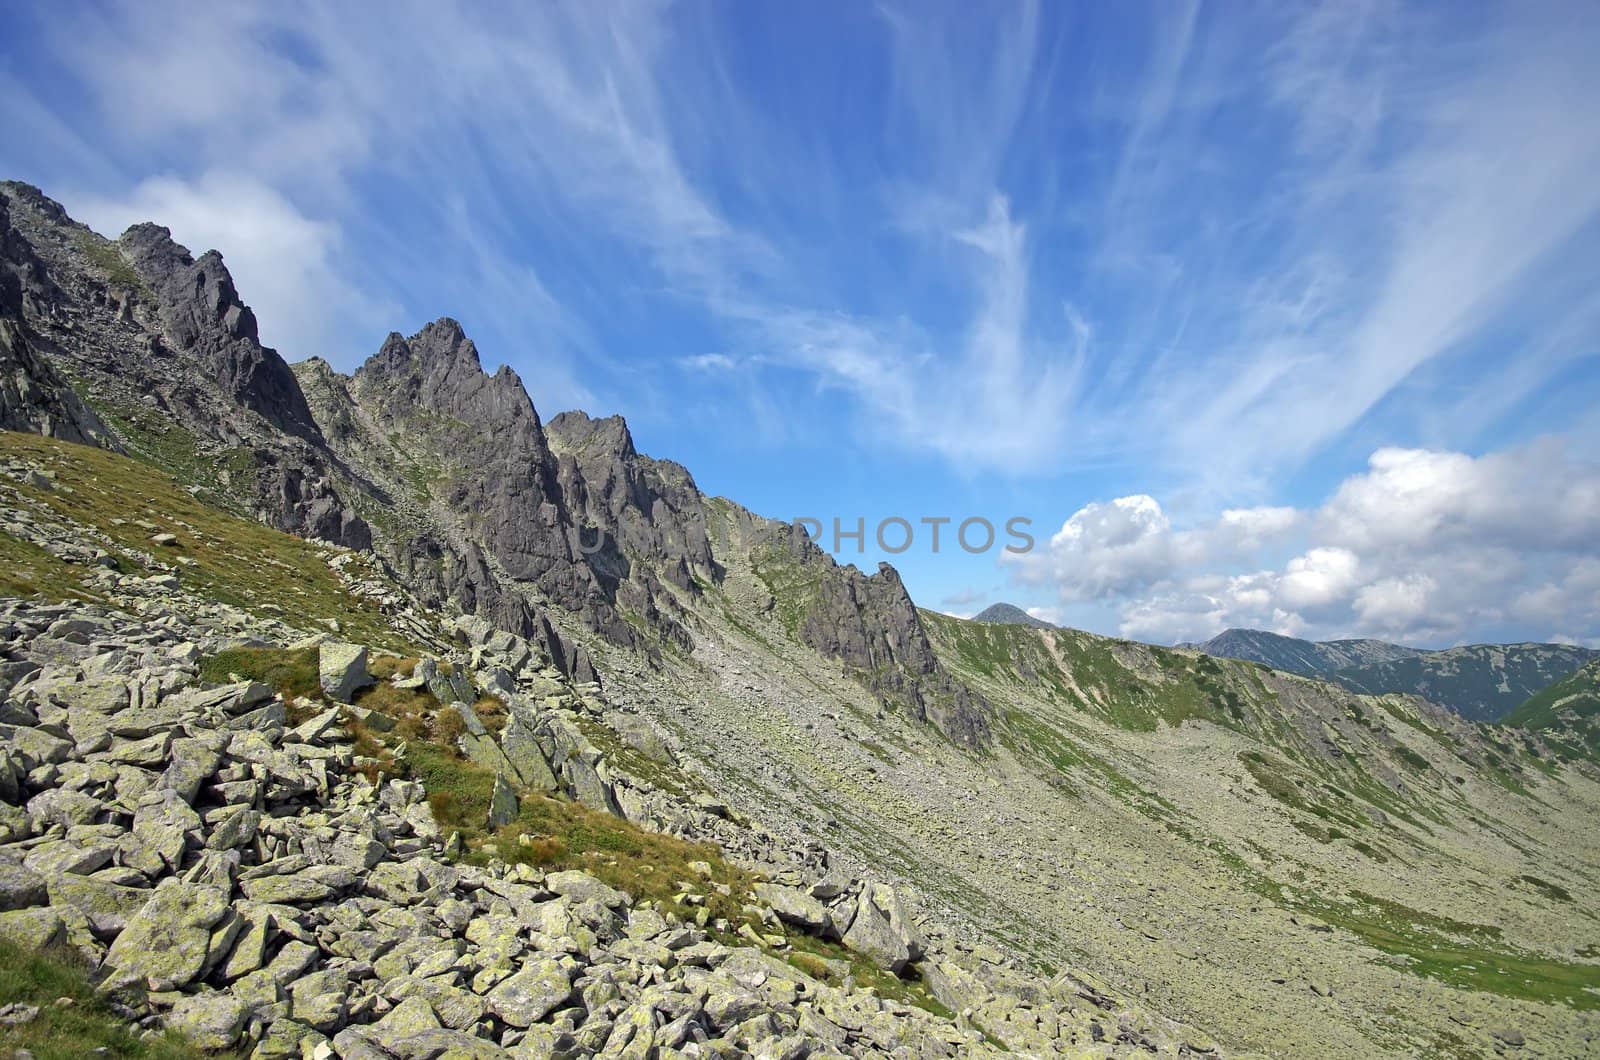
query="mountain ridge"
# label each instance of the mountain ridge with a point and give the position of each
(488, 521)
(1479, 681)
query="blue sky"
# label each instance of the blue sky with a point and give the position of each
(1264, 314)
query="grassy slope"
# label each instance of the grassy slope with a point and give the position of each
(1566, 713)
(230, 559)
(1578, 692)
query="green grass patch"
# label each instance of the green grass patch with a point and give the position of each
(1553, 891)
(1412, 759)
(28, 570)
(291, 673)
(107, 257)
(84, 1026)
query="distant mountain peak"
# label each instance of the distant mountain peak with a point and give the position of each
(1011, 615)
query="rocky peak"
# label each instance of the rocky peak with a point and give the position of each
(202, 314)
(870, 623)
(36, 200)
(438, 369)
(576, 429)
(214, 302)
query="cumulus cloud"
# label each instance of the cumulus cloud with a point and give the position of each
(1426, 546)
(1119, 547)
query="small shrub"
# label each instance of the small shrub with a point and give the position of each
(449, 726)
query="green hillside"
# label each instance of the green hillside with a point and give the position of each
(1567, 713)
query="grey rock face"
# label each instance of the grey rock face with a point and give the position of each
(33, 395)
(633, 506)
(871, 625)
(429, 395)
(201, 313)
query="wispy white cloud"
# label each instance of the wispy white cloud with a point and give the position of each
(1215, 259)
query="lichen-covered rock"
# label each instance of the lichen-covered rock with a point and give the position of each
(20, 886)
(581, 887)
(794, 906)
(166, 944)
(212, 1021)
(503, 803)
(38, 928)
(882, 930)
(532, 993)
(521, 748)
(342, 670)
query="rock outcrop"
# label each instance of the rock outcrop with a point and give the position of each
(171, 359)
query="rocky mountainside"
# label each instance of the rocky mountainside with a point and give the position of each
(520, 745)
(1011, 615)
(444, 470)
(429, 844)
(1480, 681)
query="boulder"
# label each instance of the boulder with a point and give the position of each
(882, 929)
(405, 1021)
(503, 804)
(33, 929)
(212, 1021)
(421, 674)
(794, 906)
(342, 670)
(521, 749)
(639, 734)
(316, 883)
(535, 991)
(165, 945)
(33, 748)
(21, 887)
(580, 887)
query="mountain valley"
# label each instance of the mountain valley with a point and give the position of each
(662, 759)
